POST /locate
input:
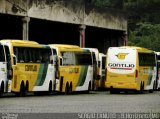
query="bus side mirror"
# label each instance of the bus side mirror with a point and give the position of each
(14, 59)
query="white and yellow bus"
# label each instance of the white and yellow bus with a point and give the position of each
(30, 67)
(5, 68)
(75, 70)
(95, 61)
(130, 68)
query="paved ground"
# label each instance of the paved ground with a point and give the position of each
(95, 102)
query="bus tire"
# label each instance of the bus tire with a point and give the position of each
(155, 85)
(50, 87)
(93, 85)
(54, 86)
(1, 88)
(89, 87)
(152, 90)
(26, 88)
(67, 89)
(70, 88)
(141, 88)
(22, 90)
(112, 91)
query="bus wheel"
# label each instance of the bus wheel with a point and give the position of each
(112, 91)
(141, 88)
(50, 87)
(67, 89)
(70, 88)
(22, 90)
(1, 89)
(151, 90)
(89, 87)
(155, 85)
(26, 90)
(93, 87)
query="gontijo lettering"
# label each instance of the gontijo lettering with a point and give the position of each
(30, 68)
(121, 65)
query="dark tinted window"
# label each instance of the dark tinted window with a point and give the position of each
(146, 59)
(103, 62)
(76, 58)
(32, 55)
(83, 59)
(2, 56)
(158, 57)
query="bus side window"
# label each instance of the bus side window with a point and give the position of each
(2, 57)
(38, 56)
(16, 54)
(30, 55)
(26, 59)
(103, 62)
(44, 56)
(94, 58)
(21, 55)
(33, 53)
(8, 57)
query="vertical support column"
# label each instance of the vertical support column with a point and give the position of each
(82, 35)
(25, 34)
(125, 39)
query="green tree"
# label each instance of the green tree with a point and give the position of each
(146, 35)
(144, 23)
(118, 4)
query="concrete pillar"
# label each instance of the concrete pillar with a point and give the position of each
(25, 34)
(125, 39)
(82, 35)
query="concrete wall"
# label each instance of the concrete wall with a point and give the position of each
(68, 11)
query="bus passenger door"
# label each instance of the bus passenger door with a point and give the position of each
(9, 70)
(56, 70)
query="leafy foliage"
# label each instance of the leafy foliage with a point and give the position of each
(107, 3)
(144, 23)
(146, 35)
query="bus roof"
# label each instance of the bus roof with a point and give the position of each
(16, 41)
(134, 48)
(93, 50)
(65, 46)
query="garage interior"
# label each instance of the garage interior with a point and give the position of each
(51, 32)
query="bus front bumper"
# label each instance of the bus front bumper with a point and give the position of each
(121, 85)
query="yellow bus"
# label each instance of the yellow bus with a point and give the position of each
(30, 65)
(130, 68)
(75, 70)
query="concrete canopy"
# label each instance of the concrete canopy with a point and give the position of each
(72, 11)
